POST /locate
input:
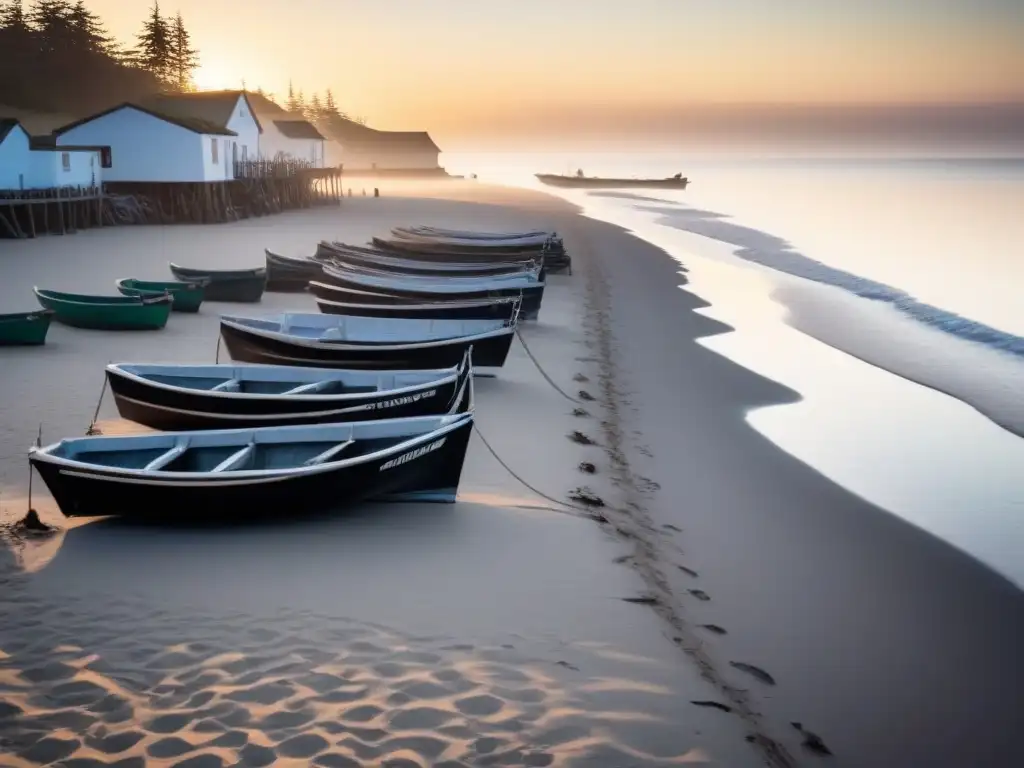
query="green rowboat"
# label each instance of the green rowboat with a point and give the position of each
(187, 296)
(109, 313)
(25, 328)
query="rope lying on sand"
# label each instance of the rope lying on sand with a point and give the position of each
(558, 389)
(576, 511)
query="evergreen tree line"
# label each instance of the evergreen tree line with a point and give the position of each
(316, 109)
(57, 56)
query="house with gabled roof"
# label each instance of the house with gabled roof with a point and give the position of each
(146, 145)
(361, 148)
(30, 163)
(228, 110)
(287, 134)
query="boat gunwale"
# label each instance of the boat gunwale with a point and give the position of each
(454, 374)
(181, 285)
(36, 314)
(114, 474)
(216, 275)
(461, 304)
(384, 346)
(143, 300)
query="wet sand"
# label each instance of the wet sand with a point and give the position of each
(725, 591)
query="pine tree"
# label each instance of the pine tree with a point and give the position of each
(88, 30)
(184, 58)
(315, 110)
(300, 103)
(154, 52)
(51, 20)
(292, 104)
(12, 16)
(330, 106)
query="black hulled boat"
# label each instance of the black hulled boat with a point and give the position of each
(374, 343)
(190, 397)
(242, 285)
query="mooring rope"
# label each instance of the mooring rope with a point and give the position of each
(582, 512)
(96, 414)
(550, 381)
(216, 359)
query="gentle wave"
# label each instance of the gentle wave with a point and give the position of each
(776, 253)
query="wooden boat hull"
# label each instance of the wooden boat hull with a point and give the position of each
(429, 469)
(188, 297)
(530, 310)
(556, 180)
(289, 275)
(483, 309)
(114, 313)
(243, 285)
(179, 408)
(252, 346)
(25, 329)
(379, 260)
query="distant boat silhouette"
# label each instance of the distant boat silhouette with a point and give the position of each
(579, 180)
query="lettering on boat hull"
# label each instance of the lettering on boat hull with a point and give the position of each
(412, 455)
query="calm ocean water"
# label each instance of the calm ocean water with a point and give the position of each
(886, 290)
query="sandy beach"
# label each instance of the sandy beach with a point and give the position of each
(724, 591)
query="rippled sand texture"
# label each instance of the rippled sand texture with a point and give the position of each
(262, 693)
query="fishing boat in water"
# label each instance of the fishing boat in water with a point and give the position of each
(596, 182)
(374, 343)
(241, 285)
(239, 474)
(187, 296)
(190, 397)
(25, 329)
(108, 313)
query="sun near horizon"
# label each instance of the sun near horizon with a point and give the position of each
(465, 68)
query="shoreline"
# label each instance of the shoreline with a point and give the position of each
(776, 594)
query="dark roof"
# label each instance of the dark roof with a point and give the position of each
(191, 124)
(356, 134)
(212, 107)
(265, 106)
(298, 129)
(7, 124)
(49, 144)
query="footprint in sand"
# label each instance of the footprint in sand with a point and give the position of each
(700, 594)
(755, 672)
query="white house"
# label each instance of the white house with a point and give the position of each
(358, 147)
(147, 146)
(294, 139)
(228, 111)
(26, 163)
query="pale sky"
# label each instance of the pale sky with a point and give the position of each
(465, 66)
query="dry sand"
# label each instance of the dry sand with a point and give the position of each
(496, 631)
(728, 592)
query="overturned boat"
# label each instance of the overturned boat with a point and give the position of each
(375, 343)
(239, 474)
(189, 397)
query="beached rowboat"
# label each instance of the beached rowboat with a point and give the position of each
(288, 273)
(187, 296)
(471, 309)
(109, 313)
(189, 397)
(407, 289)
(24, 329)
(375, 343)
(240, 474)
(373, 257)
(244, 285)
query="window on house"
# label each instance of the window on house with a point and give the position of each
(65, 161)
(213, 149)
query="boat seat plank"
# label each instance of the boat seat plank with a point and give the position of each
(236, 459)
(327, 455)
(166, 458)
(231, 385)
(308, 389)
